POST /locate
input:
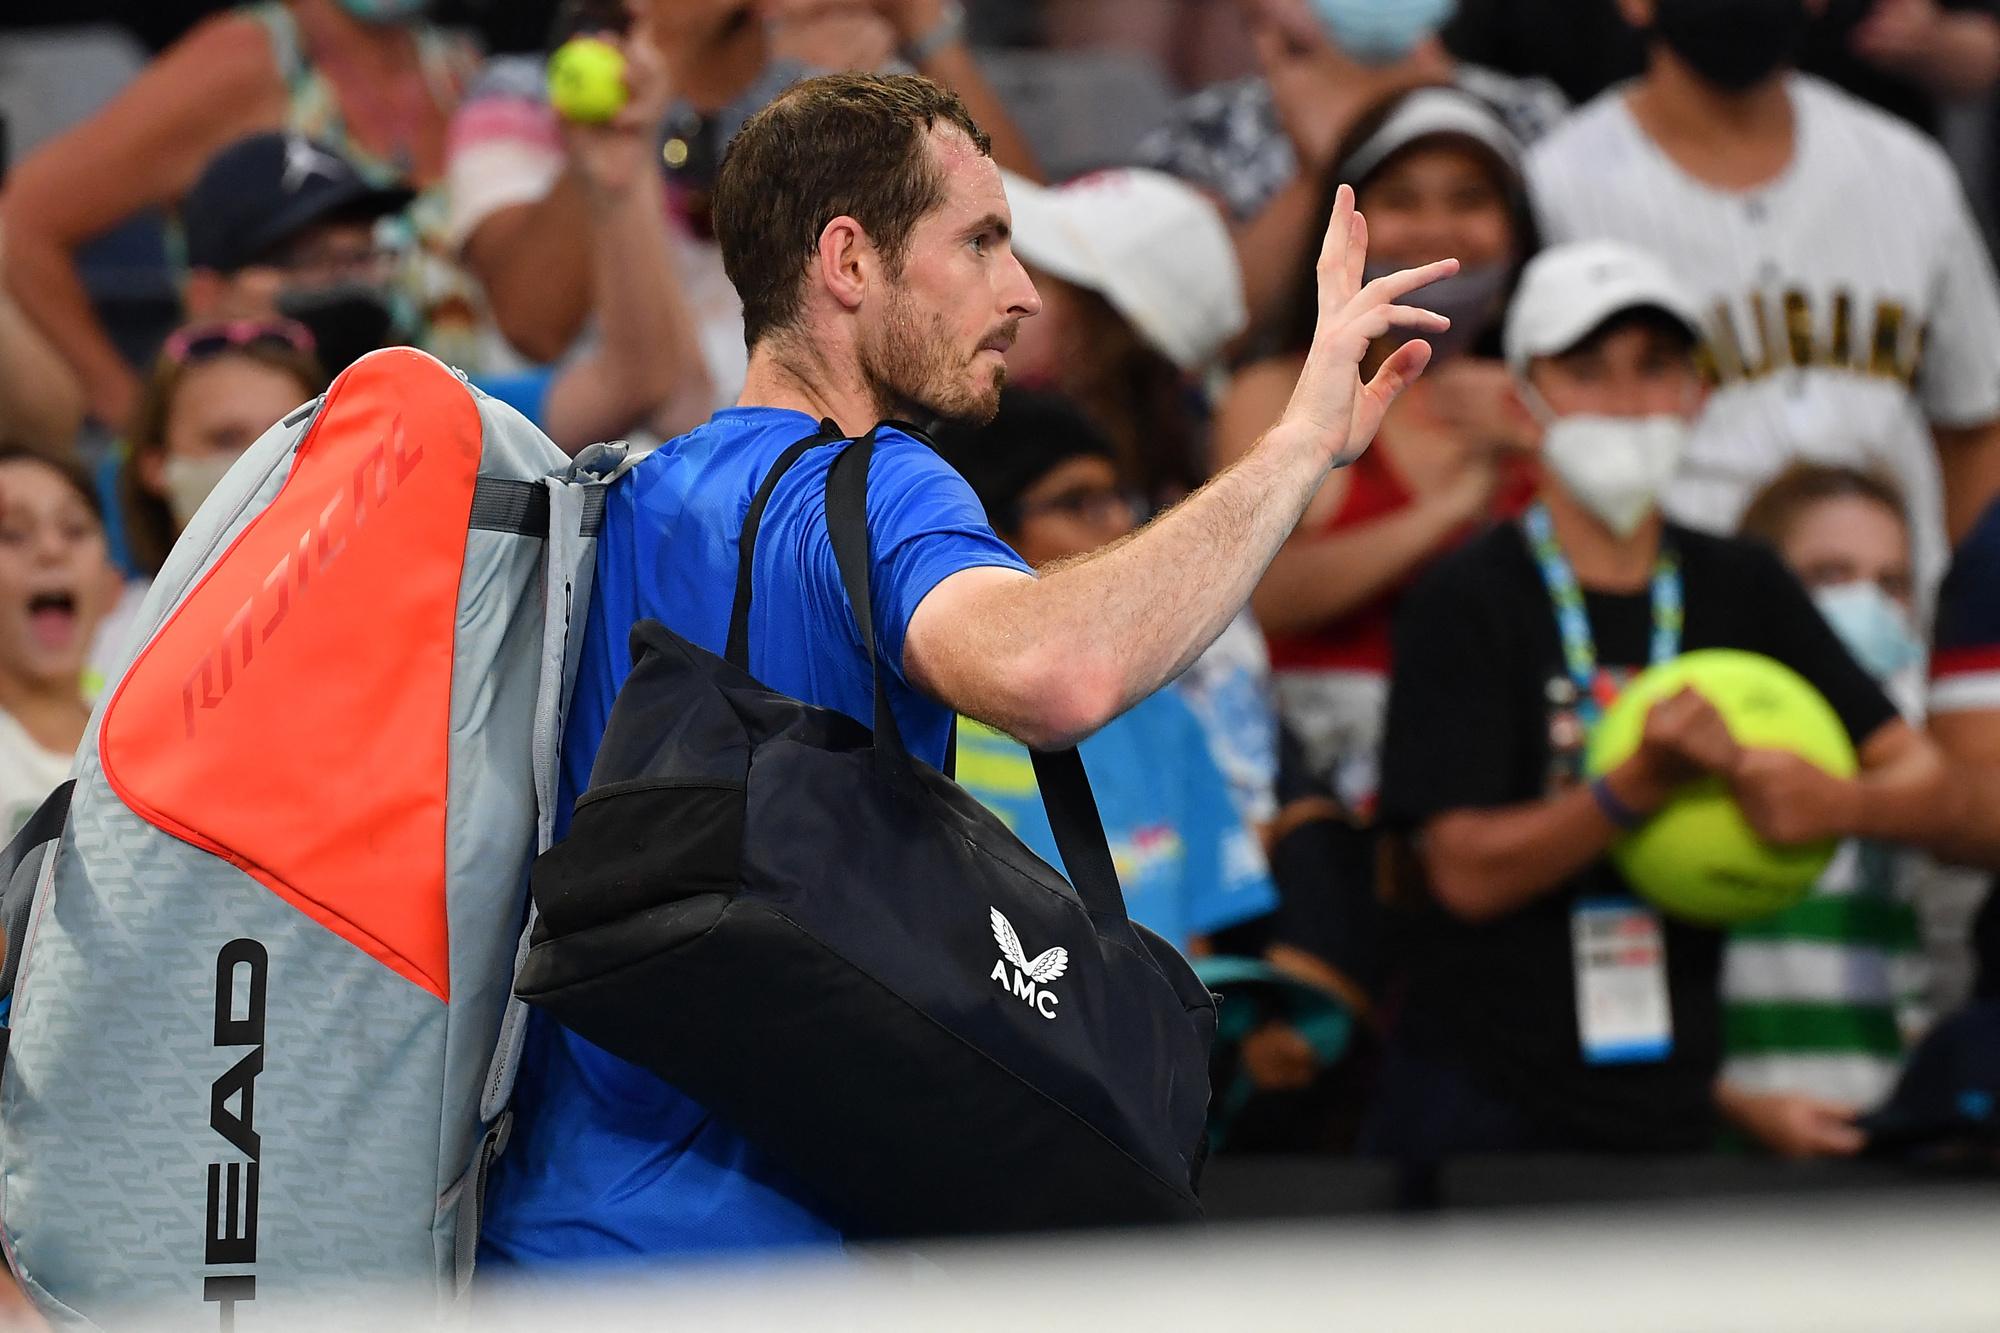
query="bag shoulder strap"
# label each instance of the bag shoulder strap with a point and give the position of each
(1065, 787)
(20, 871)
(737, 653)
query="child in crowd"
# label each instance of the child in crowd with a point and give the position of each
(56, 583)
(213, 390)
(1824, 999)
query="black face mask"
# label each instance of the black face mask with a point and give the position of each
(1732, 44)
(347, 321)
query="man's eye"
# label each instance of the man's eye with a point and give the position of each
(979, 245)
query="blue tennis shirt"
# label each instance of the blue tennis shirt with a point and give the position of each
(608, 1163)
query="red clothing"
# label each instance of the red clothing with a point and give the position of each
(1359, 640)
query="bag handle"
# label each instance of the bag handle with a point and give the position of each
(1065, 787)
(737, 653)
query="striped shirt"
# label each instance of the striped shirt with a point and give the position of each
(1824, 998)
(1851, 302)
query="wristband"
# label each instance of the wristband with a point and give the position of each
(949, 30)
(1615, 810)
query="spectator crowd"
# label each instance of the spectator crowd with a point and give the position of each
(1723, 372)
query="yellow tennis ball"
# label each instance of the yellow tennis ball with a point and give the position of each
(1698, 858)
(587, 80)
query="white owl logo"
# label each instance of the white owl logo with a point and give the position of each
(1047, 965)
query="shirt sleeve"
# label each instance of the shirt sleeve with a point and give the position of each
(1226, 879)
(1794, 632)
(924, 525)
(1449, 740)
(1965, 660)
(1959, 379)
(503, 148)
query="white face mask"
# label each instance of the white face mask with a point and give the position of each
(1616, 467)
(187, 482)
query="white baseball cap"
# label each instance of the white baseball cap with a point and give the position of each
(1426, 113)
(1567, 291)
(1152, 246)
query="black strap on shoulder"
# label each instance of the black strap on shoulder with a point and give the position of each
(503, 504)
(1072, 810)
(737, 653)
(18, 873)
(847, 526)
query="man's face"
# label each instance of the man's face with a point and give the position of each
(934, 341)
(1640, 370)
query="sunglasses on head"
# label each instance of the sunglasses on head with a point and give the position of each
(198, 342)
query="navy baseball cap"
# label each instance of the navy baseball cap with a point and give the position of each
(263, 190)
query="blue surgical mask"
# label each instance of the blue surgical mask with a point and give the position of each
(385, 11)
(1875, 628)
(1381, 32)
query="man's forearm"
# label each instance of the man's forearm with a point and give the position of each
(1130, 618)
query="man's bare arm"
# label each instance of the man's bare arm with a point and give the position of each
(1052, 659)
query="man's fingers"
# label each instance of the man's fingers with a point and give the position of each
(1393, 376)
(1357, 252)
(1335, 248)
(1372, 324)
(1393, 287)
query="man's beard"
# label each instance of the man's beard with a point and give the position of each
(913, 371)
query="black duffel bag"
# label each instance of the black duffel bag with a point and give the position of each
(854, 964)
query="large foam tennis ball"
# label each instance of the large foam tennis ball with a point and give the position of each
(1698, 858)
(587, 80)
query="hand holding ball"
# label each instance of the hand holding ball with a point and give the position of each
(1698, 858)
(587, 81)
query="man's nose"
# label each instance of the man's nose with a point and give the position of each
(1023, 300)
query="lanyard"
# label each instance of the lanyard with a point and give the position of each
(1573, 622)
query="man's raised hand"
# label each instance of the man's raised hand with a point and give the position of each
(1330, 403)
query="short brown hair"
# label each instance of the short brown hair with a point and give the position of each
(1773, 510)
(844, 144)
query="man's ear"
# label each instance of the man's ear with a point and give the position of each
(845, 262)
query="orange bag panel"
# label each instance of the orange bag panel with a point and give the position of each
(292, 715)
